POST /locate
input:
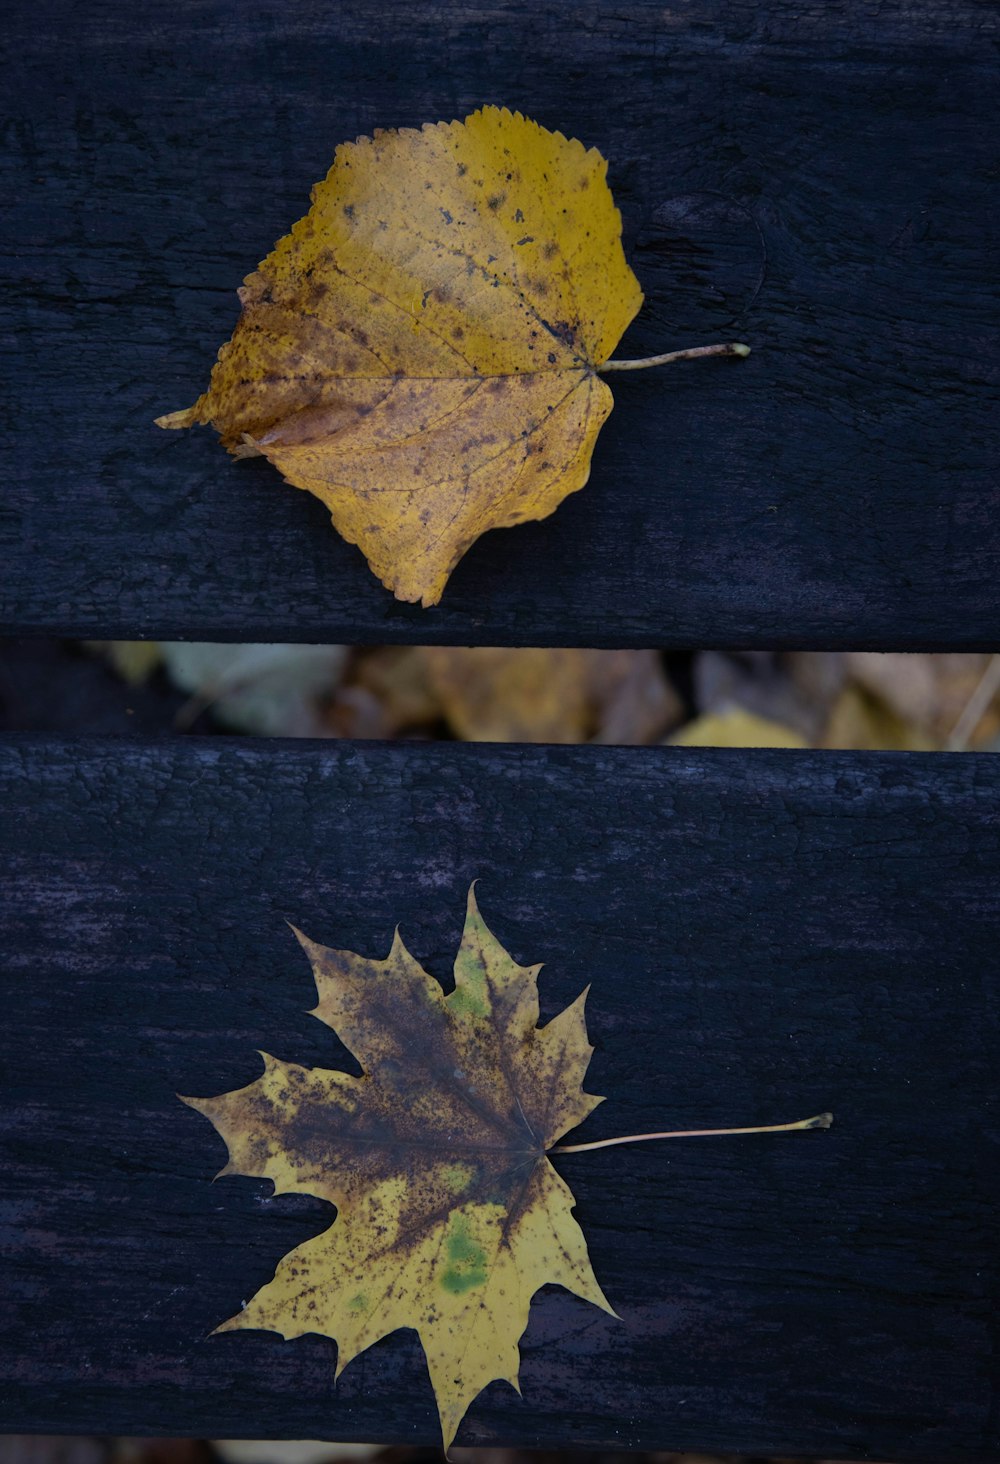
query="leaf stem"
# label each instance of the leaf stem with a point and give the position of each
(731, 348)
(821, 1120)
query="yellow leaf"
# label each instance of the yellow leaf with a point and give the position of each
(450, 1215)
(421, 350)
(525, 694)
(860, 720)
(735, 727)
(134, 660)
(528, 694)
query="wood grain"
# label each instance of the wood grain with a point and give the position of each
(767, 935)
(817, 178)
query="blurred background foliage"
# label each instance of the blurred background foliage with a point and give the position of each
(71, 1450)
(854, 699)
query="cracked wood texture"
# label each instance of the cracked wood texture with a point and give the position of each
(766, 936)
(818, 179)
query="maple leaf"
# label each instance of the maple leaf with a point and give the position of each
(421, 351)
(450, 1215)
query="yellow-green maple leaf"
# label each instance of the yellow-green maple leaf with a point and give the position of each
(450, 1216)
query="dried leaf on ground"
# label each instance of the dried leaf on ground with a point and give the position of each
(294, 1451)
(794, 691)
(268, 689)
(816, 679)
(635, 702)
(861, 700)
(930, 692)
(134, 660)
(736, 727)
(450, 1216)
(386, 691)
(859, 721)
(420, 351)
(528, 694)
(162, 1451)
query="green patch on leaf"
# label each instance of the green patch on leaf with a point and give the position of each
(467, 1258)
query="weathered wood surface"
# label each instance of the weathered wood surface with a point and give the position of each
(817, 178)
(766, 936)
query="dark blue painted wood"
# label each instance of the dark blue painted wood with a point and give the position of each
(818, 178)
(766, 936)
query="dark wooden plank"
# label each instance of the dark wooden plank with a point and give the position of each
(817, 178)
(767, 935)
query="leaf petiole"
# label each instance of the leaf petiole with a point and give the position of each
(731, 348)
(821, 1120)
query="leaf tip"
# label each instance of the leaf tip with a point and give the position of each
(175, 420)
(822, 1120)
(739, 349)
(311, 948)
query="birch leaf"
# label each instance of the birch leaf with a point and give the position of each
(421, 351)
(450, 1215)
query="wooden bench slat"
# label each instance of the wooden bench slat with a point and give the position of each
(766, 935)
(838, 488)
